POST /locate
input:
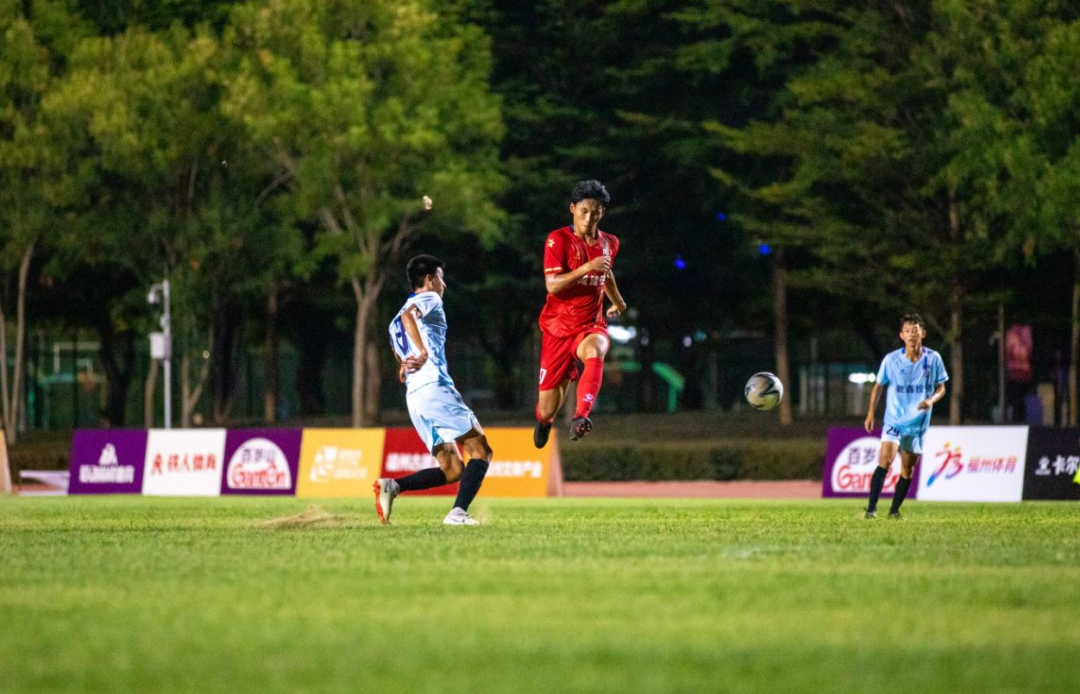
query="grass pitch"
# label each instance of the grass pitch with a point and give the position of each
(560, 595)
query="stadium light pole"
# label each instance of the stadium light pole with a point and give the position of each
(161, 343)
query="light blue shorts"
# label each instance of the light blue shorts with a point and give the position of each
(439, 414)
(912, 443)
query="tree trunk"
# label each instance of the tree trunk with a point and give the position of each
(223, 360)
(148, 395)
(372, 385)
(117, 355)
(956, 359)
(1074, 350)
(780, 315)
(5, 401)
(364, 302)
(13, 398)
(270, 365)
(190, 394)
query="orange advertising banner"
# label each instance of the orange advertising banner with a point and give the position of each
(339, 462)
(518, 468)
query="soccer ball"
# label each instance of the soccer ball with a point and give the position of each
(764, 391)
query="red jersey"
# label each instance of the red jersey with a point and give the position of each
(578, 307)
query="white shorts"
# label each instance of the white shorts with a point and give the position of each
(912, 443)
(439, 414)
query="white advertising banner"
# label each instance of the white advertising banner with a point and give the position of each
(184, 462)
(973, 464)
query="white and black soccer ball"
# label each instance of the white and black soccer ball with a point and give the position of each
(764, 391)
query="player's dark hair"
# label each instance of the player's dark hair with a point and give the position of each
(420, 267)
(912, 318)
(590, 190)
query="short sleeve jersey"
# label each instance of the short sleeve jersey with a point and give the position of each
(432, 326)
(579, 307)
(909, 384)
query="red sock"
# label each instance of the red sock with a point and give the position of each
(540, 419)
(589, 386)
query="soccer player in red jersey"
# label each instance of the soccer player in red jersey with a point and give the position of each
(577, 274)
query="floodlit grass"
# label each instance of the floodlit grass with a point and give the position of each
(562, 595)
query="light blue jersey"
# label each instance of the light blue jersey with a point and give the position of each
(432, 325)
(909, 384)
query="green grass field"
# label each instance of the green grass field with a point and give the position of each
(561, 595)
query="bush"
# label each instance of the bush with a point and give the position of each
(737, 459)
(40, 452)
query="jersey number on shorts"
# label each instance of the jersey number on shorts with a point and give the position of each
(399, 337)
(543, 374)
(893, 431)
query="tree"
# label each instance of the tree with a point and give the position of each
(35, 37)
(371, 109)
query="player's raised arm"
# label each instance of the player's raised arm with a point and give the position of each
(612, 291)
(875, 393)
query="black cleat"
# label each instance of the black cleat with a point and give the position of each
(580, 427)
(541, 433)
(894, 515)
(870, 515)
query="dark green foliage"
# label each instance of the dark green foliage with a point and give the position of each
(728, 460)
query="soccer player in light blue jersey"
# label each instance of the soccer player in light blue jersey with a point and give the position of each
(915, 376)
(441, 418)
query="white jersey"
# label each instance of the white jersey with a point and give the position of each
(432, 325)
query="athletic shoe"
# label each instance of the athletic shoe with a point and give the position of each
(541, 433)
(870, 515)
(580, 427)
(386, 490)
(894, 515)
(459, 516)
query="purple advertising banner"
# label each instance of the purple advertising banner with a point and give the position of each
(851, 455)
(261, 461)
(107, 461)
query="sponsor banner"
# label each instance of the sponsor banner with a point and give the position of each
(404, 453)
(973, 463)
(517, 468)
(184, 462)
(851, 456)
(1053, 464)
(261, 461)
(107, 461)
(339, 462)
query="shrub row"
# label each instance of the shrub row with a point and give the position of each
(725, 460)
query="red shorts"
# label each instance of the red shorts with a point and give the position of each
(558, 357)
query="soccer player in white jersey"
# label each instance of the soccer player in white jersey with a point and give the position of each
(418, 338)
(915, 376)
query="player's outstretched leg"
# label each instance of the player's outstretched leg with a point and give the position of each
(476, 446)
(591, 351)
(542, 430)
(386, 490)
(548, 404)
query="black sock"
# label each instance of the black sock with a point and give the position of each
(901, 492)
(876, 483)
(471, 480)
(424, 479)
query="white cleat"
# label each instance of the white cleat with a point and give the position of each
(386, 490)
(459, 516)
